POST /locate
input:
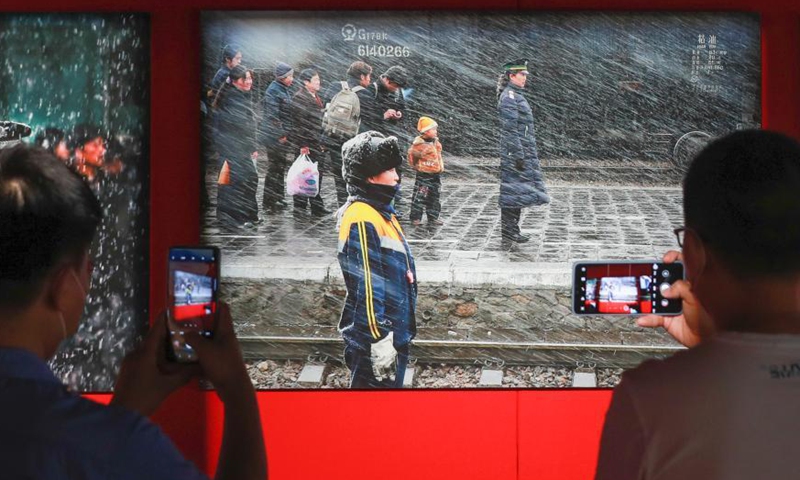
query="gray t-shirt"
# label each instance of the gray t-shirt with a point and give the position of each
(726, 409)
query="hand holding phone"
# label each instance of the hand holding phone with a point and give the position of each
(192, 298)
(145, 379)
(625, 288)
(693, 324)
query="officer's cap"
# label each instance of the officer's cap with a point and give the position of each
(517, 66)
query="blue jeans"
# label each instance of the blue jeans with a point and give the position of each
(360, 365)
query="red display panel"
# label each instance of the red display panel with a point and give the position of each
(554, 436)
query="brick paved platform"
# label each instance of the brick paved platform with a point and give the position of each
(593, 215)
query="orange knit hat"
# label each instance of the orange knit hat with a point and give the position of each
(425, 124)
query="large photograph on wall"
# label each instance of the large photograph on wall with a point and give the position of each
(522, 143)
(78, 86)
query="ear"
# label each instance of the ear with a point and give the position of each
(695, 257)
(58, 287)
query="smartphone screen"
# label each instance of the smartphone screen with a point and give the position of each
(192, 297)
(621, 288)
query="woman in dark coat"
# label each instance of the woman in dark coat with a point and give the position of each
(521, 180)
(306, 135)
(236, 140)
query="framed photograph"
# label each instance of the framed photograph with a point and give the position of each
(78, 86)
(524, 142)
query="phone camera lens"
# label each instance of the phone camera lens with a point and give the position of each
(665, 273)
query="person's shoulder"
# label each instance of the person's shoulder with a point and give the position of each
(360, 212)
(509, 96)
(683, 368)
(49, 414)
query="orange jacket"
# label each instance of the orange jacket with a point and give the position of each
(425, 156)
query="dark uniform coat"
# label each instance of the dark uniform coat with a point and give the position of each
(521, 181)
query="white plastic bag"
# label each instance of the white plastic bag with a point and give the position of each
(303, 178)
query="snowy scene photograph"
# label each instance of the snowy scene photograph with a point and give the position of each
(399, 197)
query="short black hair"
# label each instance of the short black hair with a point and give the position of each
(742, 197)
(307, 74)
(358, 68)
(229, 51)
(84, 133)
(50, 137)
(238, 72)
(48, 216)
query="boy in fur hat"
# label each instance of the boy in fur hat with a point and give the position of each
(378, 321)
(425, 157)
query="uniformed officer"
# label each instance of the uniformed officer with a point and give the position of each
(521, 180)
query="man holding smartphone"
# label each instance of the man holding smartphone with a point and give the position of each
(727, 407)
(48, 218)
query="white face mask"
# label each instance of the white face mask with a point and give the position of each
(61, 315)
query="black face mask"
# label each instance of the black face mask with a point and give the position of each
(381, 193)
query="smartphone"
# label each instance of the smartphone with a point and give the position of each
(193, 284)
(625, 288)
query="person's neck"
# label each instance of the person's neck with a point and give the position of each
(763, 306)
(27, 331)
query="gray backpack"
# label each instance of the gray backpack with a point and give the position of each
(343, 113)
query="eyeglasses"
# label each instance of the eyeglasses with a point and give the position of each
(680, 234)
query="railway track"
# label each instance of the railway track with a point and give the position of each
(468, 352)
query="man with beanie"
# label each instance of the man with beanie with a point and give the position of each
(727, 407)
(425, 157)
(275, 134)
(378, 321)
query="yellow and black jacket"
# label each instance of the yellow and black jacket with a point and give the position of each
(379, 274)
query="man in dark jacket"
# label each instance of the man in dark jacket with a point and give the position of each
(306, 136)
(359, 77)
(378, 320)
(387, 116)
(275, 128)
(521, 180)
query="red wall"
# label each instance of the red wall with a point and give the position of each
(425, 434)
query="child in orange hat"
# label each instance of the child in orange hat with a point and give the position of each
(425, 157)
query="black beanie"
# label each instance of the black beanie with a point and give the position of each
(368, 154)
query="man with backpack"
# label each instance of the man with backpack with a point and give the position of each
(350, 100)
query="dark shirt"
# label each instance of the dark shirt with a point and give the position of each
(387, 100)
(307, 112)
(49, 433)
(236, 123)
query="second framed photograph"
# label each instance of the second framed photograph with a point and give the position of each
(399, 197)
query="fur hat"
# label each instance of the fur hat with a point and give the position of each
(283, 70)
(368, 154)
(425, 124)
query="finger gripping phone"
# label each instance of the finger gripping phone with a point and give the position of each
(625, 288)
(192, 302)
